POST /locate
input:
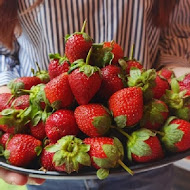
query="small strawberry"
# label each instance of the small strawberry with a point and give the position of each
(22, 149)
(154, 115)
(127, 106)
(70, 153)
(77, 45)
(106, 153)
(5, 101)
(4, 138)
(58, 92)
(175, 135)
(59, 124)
(21, 102)
(166, 73)
(84, 80)
(112, 81)
(93, 119)
(58, 65)
(184, 83)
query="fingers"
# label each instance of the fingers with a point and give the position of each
(35, 181)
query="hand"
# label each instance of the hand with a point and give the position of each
(4, 89)
(18, 179)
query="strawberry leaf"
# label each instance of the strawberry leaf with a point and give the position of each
(38, 150)
(88, 70)
(102, 173)
(121, 121)
(103, 162)
(83, 158)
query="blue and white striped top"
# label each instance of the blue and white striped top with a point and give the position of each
(125, 21)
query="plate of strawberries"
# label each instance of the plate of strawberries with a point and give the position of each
(94, 113)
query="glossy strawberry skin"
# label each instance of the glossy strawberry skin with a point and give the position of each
(111, 82)
(21, 102)
(132, 64)
(59, 124)
(21, 149)
(166, 73)
(84, 87)
(127, 102)
(185, 84)
(4, 139)
(85, 114)
(117, 51)
(77, 47)
(58, 92)
(38, 131)
(157, 151)
(5, 101)
(55, 68)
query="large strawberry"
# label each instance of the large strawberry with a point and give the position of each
(84, 80)
(106, 153)
(154, 115)
(77, 45)
(58, 92)
(59, 124)
(175, 135)
(22, 149)
(70, 153)
(58, 65)
(93, 119)
(5, 100)
(21, 102)
(127, 106)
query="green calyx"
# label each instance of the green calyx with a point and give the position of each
(58, 57)
(70, 151)
(1, 150)
(136, 144)
(121, 121)
(172, 135)
(15, 87)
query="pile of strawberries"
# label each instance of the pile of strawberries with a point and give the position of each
(94, 108)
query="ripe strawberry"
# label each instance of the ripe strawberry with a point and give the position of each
(21, 102)
(154, 115)
(93, 119)
(166, 73)
(5, 100)
(112, 81)
(59, 124)
(23, 83)
(175, 135)
(144, 146)
(38, 131)
(4, 138)
(58, 92)
(105, 153)
(58, 65)
(77, 45)
(184, 83)
(70, 153)
(127, 106)
(22, 149)
(116, 50)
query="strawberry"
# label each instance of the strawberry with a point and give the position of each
(58, 65)
(144, 146)
(58, 92)
(21, 102)
(112, 81)
(84, 80)
(166, 73)
(4, 138)
(70, 153)
(22, 149)
(77, 45)
(105, 153)
(23, 83)
(184, 83)
(116, 49)
(175, 135)
(59, 124)
(127, 106)
(5, 101)
(93, 119)
(154, 115)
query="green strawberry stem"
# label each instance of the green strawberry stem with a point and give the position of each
(125, 167)
(158, 132)
(122, 132)
(38, 67)
(83, 26)
(26, 91)
(88, 56)
(10, 99)
(132, 52)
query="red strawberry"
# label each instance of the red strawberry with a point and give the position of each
(23, 83)
(184, 83)
(144, 146)
(22, 149)
(127, 106)
(154, 115)
(38, 131)
(5, 100)
(116, 50)
(105, 153)
(93, 119)
(4, 138)
(77, 45)
(59, 124)
(70, 153)
(160, 88)
(166, 73)
(175, 135)
(112, 81)
(58, 92)
(58, 65)
(21, 102)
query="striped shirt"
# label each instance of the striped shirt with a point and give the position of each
(126, 22)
